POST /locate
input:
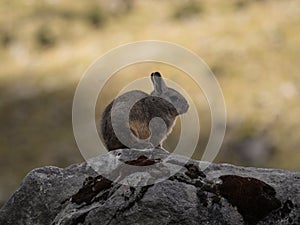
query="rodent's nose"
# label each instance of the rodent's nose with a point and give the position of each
(155, 74)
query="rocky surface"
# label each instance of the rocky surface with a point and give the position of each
(153, 187)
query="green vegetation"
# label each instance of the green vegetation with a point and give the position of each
(45, 46)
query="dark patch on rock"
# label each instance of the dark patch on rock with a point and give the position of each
(142, 161)
(286, 208)
(91, 187)
(192, 175)
(80, 219)
(288, 213)
(253, 198)
(193, 171)
(203, 198)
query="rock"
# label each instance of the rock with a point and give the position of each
(164, 189)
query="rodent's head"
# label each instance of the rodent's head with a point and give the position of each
(169, 94)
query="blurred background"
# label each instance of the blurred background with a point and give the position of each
(252, 46)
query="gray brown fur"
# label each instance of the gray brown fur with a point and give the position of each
(141, 131)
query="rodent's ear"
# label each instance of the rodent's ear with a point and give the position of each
(158, 83)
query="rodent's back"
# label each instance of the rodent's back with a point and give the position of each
(107, 133)
(110, 140)
(141, 113)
